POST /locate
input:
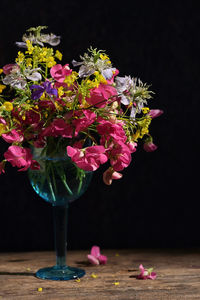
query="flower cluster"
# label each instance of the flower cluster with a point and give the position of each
(42, 99)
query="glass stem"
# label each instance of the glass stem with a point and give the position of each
(60, 231)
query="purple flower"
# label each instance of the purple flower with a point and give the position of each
(38, 90)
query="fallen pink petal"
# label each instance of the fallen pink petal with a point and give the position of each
(146, 273)
(93, 260)
(95, 257)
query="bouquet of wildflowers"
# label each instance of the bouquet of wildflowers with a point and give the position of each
(46, 104)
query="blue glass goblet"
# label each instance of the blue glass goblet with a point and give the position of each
(59, 181)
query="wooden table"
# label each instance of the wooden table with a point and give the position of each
(178, 276)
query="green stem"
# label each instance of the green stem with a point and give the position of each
(80, 185)
(63, 178)
(53, 177)
(67, 187)
(51, 188)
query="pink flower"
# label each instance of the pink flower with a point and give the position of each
(115, 73)
(154, 113)
(20, 157)
(132, 146)
(84, 120)
(120, 156)
(149, 146)
(146, 273)
(109, 175)
(88, 159)
(59, 72)
(95, 256)
(109, 130)
(100, 95)
(13, 136)
(31, 117)
(8, 68)
(58, 128)
(2, 121)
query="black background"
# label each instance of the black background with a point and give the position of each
(156, 203)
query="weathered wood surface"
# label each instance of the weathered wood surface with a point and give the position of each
(178, 276)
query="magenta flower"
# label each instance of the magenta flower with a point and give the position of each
(109, 130)
(109, 175)
(132, 146)
(95, 256)
(20, 157)
(154, 113)
(100, 95)
(149, 146)
(146, 273)
(120, 156)
(58, 128)
(13, 136)
(59, 72)
(83, 120)
(88, 159)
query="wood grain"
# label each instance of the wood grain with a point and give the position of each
(178, 276)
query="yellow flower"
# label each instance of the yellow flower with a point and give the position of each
(1, 71)
(136, 135)
(69, 80)
(100, 77)
(29, 62)
(43, 96)
(58, 106)
(58, 55)
(145, 110)
(116, 283)
(60, 91)
(2, 87)
(43, 53)
(105, 57)
(39, 289)
(144, 124)
(2, 128)
(29, 46)
(50, 61)
(20, 57)
(92, 83)
(8, 106)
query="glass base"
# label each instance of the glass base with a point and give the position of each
(60, 273)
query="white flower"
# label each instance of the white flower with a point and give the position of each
(15, 79)
(85, 69)
(108, 73)
(32, 74)
(37, 38)
(133, 93)
(90, 64)
(124, 83)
